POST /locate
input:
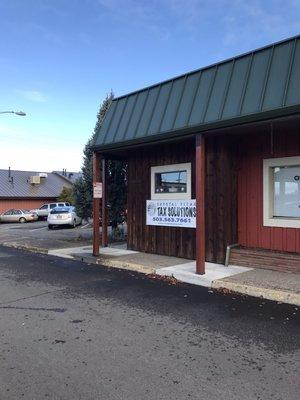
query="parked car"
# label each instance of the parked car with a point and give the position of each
(45, 209)
(63, 216)
(14, 215)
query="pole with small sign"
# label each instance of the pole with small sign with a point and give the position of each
(97, 193)
(96, 203)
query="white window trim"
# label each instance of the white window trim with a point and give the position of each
(170, 168)
(268, 193)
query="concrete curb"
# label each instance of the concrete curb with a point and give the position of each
(129, 266)
(25, 247)
(254, 291)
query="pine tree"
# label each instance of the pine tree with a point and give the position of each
(117, 192)
(67, 195)
(83, 187)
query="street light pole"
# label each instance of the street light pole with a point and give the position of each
(21, 113)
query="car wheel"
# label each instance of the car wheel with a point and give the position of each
(74, 224)
(22, 220)
(50, 227)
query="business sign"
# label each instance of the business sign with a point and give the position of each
(178, 213)
(97, 190)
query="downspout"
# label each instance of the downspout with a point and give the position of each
(228, 251)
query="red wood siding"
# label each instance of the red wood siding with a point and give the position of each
(169, 241)
(220, 194)
(6, 204)
(253, 149)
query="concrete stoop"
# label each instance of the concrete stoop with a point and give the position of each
(271, 285)
(187, 273)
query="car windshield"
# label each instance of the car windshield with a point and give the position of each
(60, 210)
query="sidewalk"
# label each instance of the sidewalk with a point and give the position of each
(271, 285)
(117, 256)
(76, 244)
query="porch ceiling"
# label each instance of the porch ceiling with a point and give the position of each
(262, 84)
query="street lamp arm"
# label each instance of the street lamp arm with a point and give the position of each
(21, 113)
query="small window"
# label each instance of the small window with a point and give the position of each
(45, 207)
(171, 181)
(53, 205)
(61, 210)
(282, 192)
(61, 204)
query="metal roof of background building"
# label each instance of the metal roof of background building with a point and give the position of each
(16, 184)
(260, 84)
(70, 176)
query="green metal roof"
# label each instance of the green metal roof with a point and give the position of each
(265, 82)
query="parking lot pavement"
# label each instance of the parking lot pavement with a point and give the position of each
(35, 235)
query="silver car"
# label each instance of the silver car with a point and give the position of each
(63, 216)
(22, 216)
(45, 209)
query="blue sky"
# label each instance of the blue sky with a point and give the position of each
(59, 58)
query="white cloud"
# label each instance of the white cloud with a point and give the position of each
(32, 158)
(11, 133)
(20, 150)
(33, 95)
(236, 21)
(146, 15)
(256, 21)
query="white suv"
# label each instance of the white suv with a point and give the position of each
(44, 211)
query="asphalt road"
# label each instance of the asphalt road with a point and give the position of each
(73, 331)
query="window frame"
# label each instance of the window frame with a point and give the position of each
(172, 168)
(268, 193)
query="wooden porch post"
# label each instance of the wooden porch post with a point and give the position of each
(104, 204)
(96, 205)
(200, 204)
